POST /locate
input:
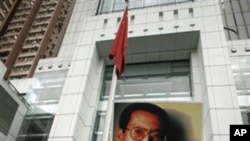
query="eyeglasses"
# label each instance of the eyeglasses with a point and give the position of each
(139, 133)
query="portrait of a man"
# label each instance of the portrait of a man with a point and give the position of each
(151, 122)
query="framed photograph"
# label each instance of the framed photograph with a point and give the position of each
(157, 121)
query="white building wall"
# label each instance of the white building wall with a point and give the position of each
(212, 79)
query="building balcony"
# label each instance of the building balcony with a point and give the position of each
(34, 38)
(18, 19)
(44, 23)
(49, 3)
(9, 37)
(2, 13)
(25, 8)
(35, 30)
(15, 27)
(30, 46)
(3, 58)
(5, 49)
(11, 2)
(28, 54)
(44, 16)
(19, 73)
(6, 6)
(23, 63)
(7, 43)
(11, 34)
(23, 11)
(46, 10)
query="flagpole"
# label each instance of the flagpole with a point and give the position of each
(110, 107)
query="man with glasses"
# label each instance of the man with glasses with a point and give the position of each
(142, 122)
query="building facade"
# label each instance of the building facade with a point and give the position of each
(194, 51)
(13, 108)
(30, 30)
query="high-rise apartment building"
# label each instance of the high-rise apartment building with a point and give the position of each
(179, 51)
(6, 11)
(30, 30)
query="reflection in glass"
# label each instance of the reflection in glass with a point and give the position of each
(135, 3)
(35, 128)
(43, 98)
(161, 79)
(241, 72)
(116, 5)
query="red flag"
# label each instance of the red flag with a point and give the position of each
(119, 46)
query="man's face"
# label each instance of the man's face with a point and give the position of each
(141, 121)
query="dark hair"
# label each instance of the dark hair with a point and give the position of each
(151, 108)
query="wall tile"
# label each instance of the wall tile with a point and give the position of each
(210, 24)
(62, 139)
(238, 116)
(63, 130)
(183, 13)
(214, 121)
(112, 22)
(208, 11)
(140, 19)
(197, 94)
(223, 124)
(216, 56)
(152, 17)
(86, 38)
(89, 119)
(83, 52)
(194, 58)
(207, 129)
(69, 104)
(219, 75)
(91, 25)
(230, 75)
(213, 39)
(196, 75)
(74, 84)
(211, 97)
(220, 93)
(78, 68)
(79, 130)
(153, 28)
(208, 76)
(234, 96)
(168, 16)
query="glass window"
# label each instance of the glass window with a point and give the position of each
(99, 126)
(43, 98)
(241, 72)
(100, 119)
(151, 2)
(135, 3)
(235, 22)
(245, 116)
(35, 128)
(33, 138)
(160, 79)
(117, 5)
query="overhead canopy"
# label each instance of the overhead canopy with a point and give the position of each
(161, 47)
